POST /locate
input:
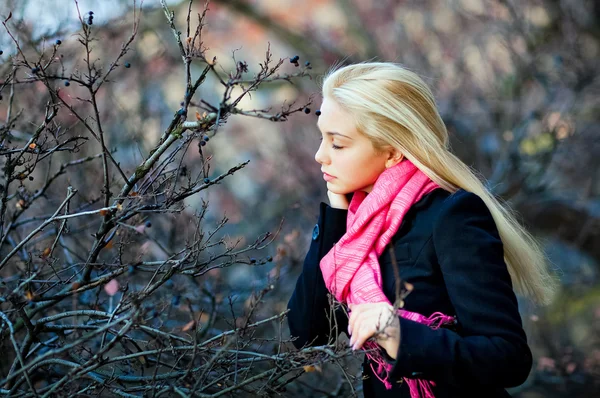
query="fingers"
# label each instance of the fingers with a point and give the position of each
(366, 320)
(338, 201)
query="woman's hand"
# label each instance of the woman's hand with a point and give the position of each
(337, 201)
(374, 319)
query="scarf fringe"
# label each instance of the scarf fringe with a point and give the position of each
(419, 388)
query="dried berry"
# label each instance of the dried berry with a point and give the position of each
(148, 224)
(205, 138)
(202, 143)
(58, 42)
(127, 65)
(269, 258)
(307, 110)
(67, 83)
(318, 112)
(206, 180)
(252, 260)
(181, 112)
(35, 70)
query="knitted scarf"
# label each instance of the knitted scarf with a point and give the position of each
(351, 269)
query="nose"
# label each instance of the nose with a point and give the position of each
(321, 157)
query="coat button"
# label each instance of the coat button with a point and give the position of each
(315, 234)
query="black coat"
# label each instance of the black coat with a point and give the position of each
(448, 247)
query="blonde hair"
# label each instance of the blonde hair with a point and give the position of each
(392, 106)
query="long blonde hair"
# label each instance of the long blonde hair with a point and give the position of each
(392, 106)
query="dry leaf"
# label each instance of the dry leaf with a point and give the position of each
(198, 117)
(103, 212)
(204, 318)
(29, 295)
(188, 326)
(46, 252)
(312, 368)
(112, 287)
(32, 145)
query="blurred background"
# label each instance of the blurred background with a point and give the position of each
(517, 84)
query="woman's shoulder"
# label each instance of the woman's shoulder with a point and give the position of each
(440, 207)
(463, 211)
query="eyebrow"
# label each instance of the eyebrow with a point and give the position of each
(330, 133)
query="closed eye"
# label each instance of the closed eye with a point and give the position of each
(333, 146)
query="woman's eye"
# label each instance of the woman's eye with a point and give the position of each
(336, 147)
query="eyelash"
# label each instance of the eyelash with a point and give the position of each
(333, 146)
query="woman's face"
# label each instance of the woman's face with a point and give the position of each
(348, 160)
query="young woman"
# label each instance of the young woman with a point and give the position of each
(419, 215)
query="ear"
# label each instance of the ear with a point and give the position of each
(394, 157)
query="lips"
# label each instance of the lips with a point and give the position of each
(328, 177)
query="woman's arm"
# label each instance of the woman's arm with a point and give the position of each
(491, 349)
(309, 307)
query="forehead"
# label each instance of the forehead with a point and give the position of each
(334, 118)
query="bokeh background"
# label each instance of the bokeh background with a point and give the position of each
(517, 84)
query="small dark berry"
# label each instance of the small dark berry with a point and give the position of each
(318, 113)
(206, 138)
(206, 180)
(58, 42)
(182, 103)
(307, 110)
(252, 260)
(90, 21)
(155, 313)
(269, 258)
(148, 224)
(307, 63)
(130, 270)
(35, 70)
(202, 143)
(181, 112)
(67, 83)
(30, 178)
(0, 98)
(91, 13)
(169, 283)
(294, 59)
(127, 65)
(1, 52)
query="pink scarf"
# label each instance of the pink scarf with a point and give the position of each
(351, 268)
